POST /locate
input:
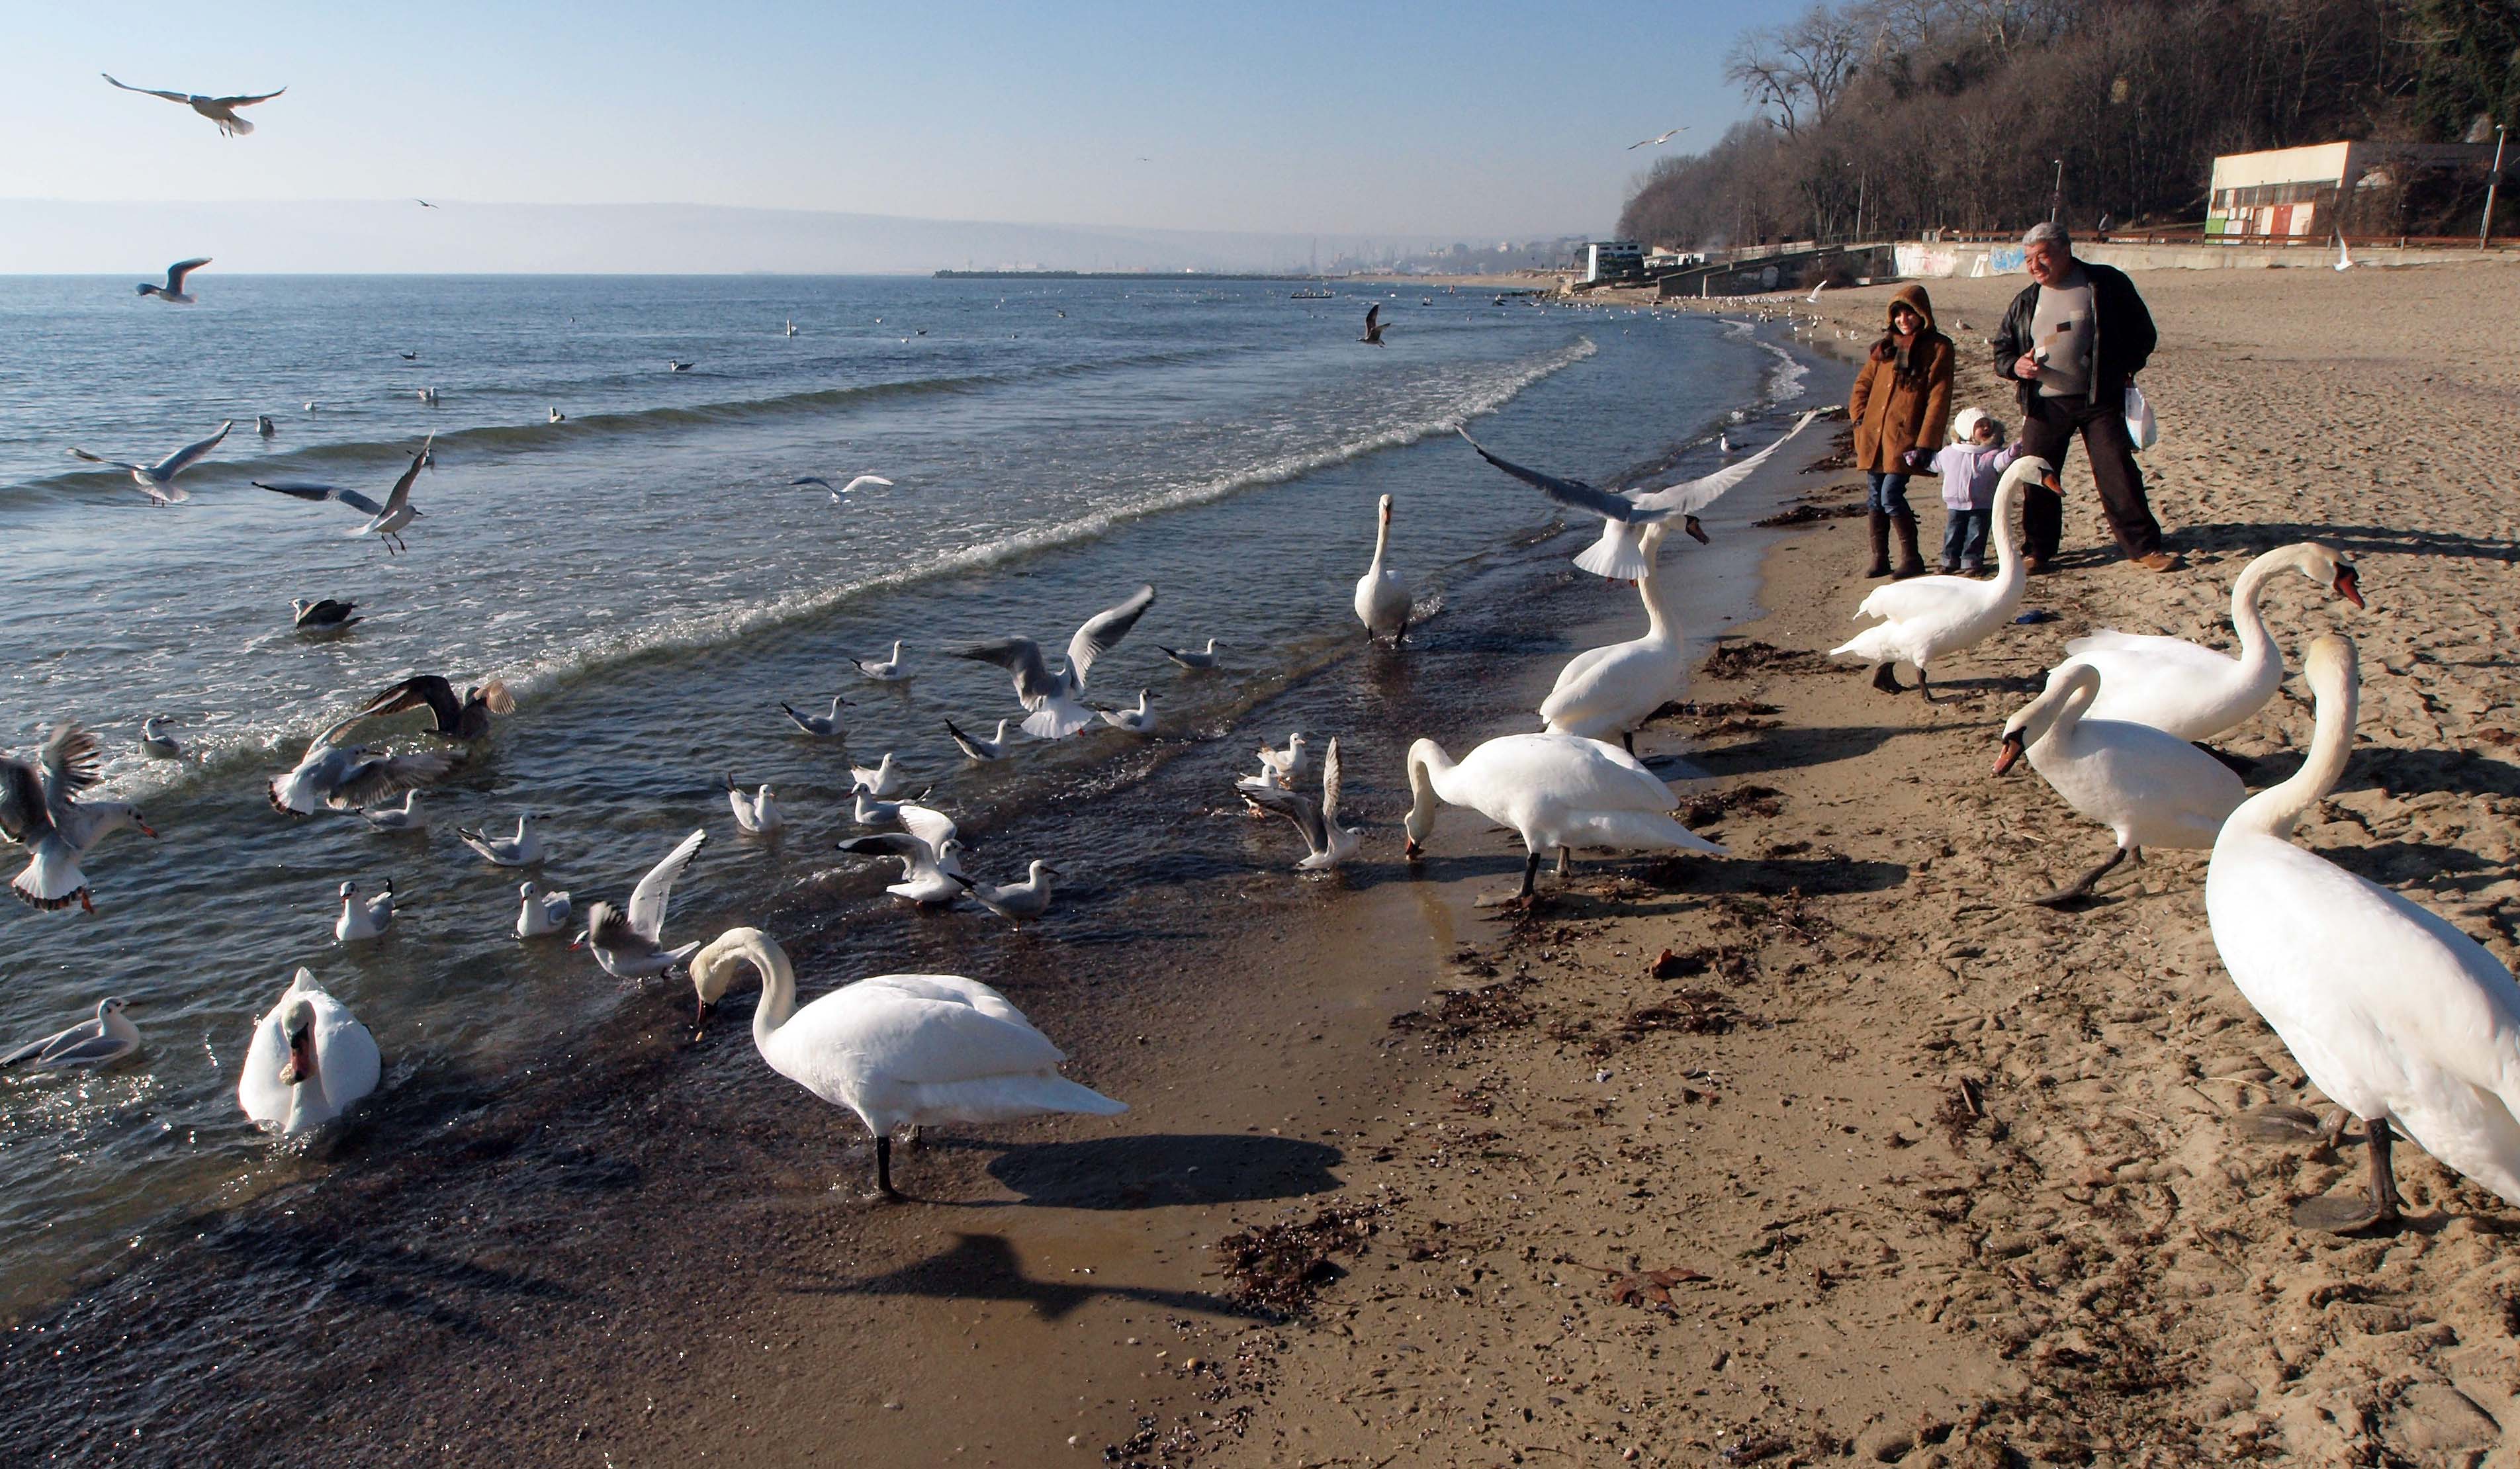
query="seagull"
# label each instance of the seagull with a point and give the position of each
(931, 853)
(523, 850)
(173, 292)
(263, 425)
(880, 778)
(363, 919)
(756, 814)
(1327, 843)
(1373, 337)
(408, 356)
(313, 406)
(1723, 445)
(1658, 141)
(867, 810)
(978, 748)
(2344, 256)
(1196, 660)
(385, 521)
(219, 109)
(424, 203)
(158, 480)
(846, 489)
(345, 777)
(107, 1039)
(428, 395)
(791, 326)
(467, 719)
(1818, 287)
(326, 615)
(631, 945)
(407, 817)
(539, 912)
(1017, 902)
(1282, 767)
(1138, 721)
(558, 417)
(820, 726)
(156, 742)
(38, 812)
(1052, 698)
(677, 364)
(889, 671)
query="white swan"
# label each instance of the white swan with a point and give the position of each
(308, 1061)
(1383, 598)
(539, 912)
(2400, 1018)
(1327, 843)
(755, 815)
(1927, 616)
(901, 1050)
(1556, 790)
(2151, 789)
(1604, 691)
(363, 919)
(2194, 692)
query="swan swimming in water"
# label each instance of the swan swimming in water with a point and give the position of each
(1382, 596)
(309, 1060)
(900, 1051)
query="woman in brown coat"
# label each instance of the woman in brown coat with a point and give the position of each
(1902, 406)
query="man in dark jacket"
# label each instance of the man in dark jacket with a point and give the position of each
(2073, 342)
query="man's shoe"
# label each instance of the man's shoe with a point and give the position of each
(2159, 560)
(2034, 565)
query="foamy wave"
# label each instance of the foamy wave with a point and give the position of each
(1785, 381)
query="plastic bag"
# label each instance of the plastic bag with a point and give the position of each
(2141, 427)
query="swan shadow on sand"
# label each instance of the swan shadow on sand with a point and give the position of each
(984, 1268)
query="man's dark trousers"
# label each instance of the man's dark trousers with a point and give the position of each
(2050, 425)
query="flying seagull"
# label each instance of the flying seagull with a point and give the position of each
(385, 521)
(173, 292)
(467, 718)
(847, 489)
(632, 945)
(1657, 142)
(1052, 698)
(158, 480)
(424, 203)
(219, 109)
(1373, 337)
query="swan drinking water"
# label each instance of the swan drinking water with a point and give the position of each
(1926, 618)
(309, 1059)
(2151, 789)
(900, 1051)
(1555, 790)
(2400, 1018)
(1382, 599)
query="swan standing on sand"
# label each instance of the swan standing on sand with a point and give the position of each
(107, 1039)
(929, 850)
(1327, 843)
(523, 850)
(219, 109)
(889, 671)
(1382, 600)
(820, 726)
(978, 748)
(900, 1051)
(539, 912)
(39, 811)
(1604, 691)
(361, 918)
(1926, 617)
(309, 1059)
(1555, 791)
(385, 522)
(2400, 1018)
(1018, 902)
(2153, 789)
(158, 480)
(631, 945)
(1055, 711)
(2194, 692)
(173, 292)
(755, 815)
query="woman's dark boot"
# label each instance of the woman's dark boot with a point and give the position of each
(1880, 528)
(1909, 563)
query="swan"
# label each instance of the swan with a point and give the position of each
(1926, 618)
(363, 919)
(900, 1051)
(755, 815)
(1196, 659)
(2400, 1018)
(632, 946)
(1555, 790)
(2192, 691)
(1138, 721)
(820, 726)
(880, 778)
(1049, 700)
(889, 671)
(929, 848)
(1327, 843)
(2153, 789)
(1611, 691)
(308, 1061)
(1382, 599)
(539, 912)
(1015, 901)
(994, 748)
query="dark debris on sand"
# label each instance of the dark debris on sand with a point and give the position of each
(1750, 656)
(1278, 1267)
(1807, 512)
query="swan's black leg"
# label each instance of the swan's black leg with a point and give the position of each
(1531, 873)
(2082, 886)
(883, 1167)
(1922, 687)
(1886, 679)
(2380, 1208)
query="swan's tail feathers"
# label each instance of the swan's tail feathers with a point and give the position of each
(1640, 830)
(1003, 1098)
(53, 879)
(1616, 555)
(1872, 645)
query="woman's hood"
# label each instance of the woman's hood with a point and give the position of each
(1911, 294)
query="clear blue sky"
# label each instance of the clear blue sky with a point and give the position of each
(1463, 120)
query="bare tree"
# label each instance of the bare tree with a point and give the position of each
(1799, 71)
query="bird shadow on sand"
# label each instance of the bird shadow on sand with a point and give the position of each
(2349, 541)
(984, 1268)
(1165, 1169)
(2429, 865)
(463, 1297)
(1784, 748)
(2406, 772)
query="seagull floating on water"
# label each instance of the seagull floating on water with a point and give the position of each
(156, 742)
(263, 425)
(363, 919)
(1138, 721)
(385, 521)
(158, 480)
(219, 109)
(929, 850)
(539, 912)
(978, 748)
(105, 1039)
(888, 671)
(1195, 659)
(631, 944)
(820, 726)
(324, 614)
(1280, 767)
(882, 778)
(1052, 698)
(677, 364)
(523, 850)
(173, 292)
(755, 815)
(407, 817)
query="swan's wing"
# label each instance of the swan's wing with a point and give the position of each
(190, 455)
(176, 272)
(647, 899)
(926, 1038)
(238, 102)
(305, 490)
(400, 495)
(934, 827)
(1925, 596)
(2173, 657)
(1021, 657)
(186, 98)
(1104, 631)
(1567, 492)
(1302, 810)
(427, 691)
(1694, 495)
(70, 760)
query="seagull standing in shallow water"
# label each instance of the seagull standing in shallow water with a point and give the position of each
(173, 292)
(1018, 903)
(158, 480)
(930, 854)
(219, 109)
(1327, 843)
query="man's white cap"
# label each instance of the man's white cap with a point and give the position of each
(1964, 423)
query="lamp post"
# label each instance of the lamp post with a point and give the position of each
(2056, 200)
(2485, 226)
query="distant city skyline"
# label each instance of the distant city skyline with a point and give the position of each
(1476, 123)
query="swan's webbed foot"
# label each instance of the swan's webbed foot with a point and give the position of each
(2343, 1214)
(2082, 886)
(1885, 680)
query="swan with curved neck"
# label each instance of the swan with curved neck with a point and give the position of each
(1611, 691)
(2194, 691)
(2400, 1018)
(2150, 788)
(1555, 791)
(310, 1059)
(900, 1051)
(1926, 617)
(1382, 599)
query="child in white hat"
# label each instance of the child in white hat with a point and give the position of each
(1970, 466)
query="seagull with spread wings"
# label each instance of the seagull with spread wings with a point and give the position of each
(173, 292)
(340, 777)
(385, 521)
(839, 495)
(219, 109)
(158, 480)
(929, 850)
(1055, 711)
(1659, 140)
(38, 812)
(1327, 843)
(467, 718)
(1373, 325)
(632, 945)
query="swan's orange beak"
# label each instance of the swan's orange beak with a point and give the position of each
(2348, 585)
(2011, 752)
(1411, 849)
